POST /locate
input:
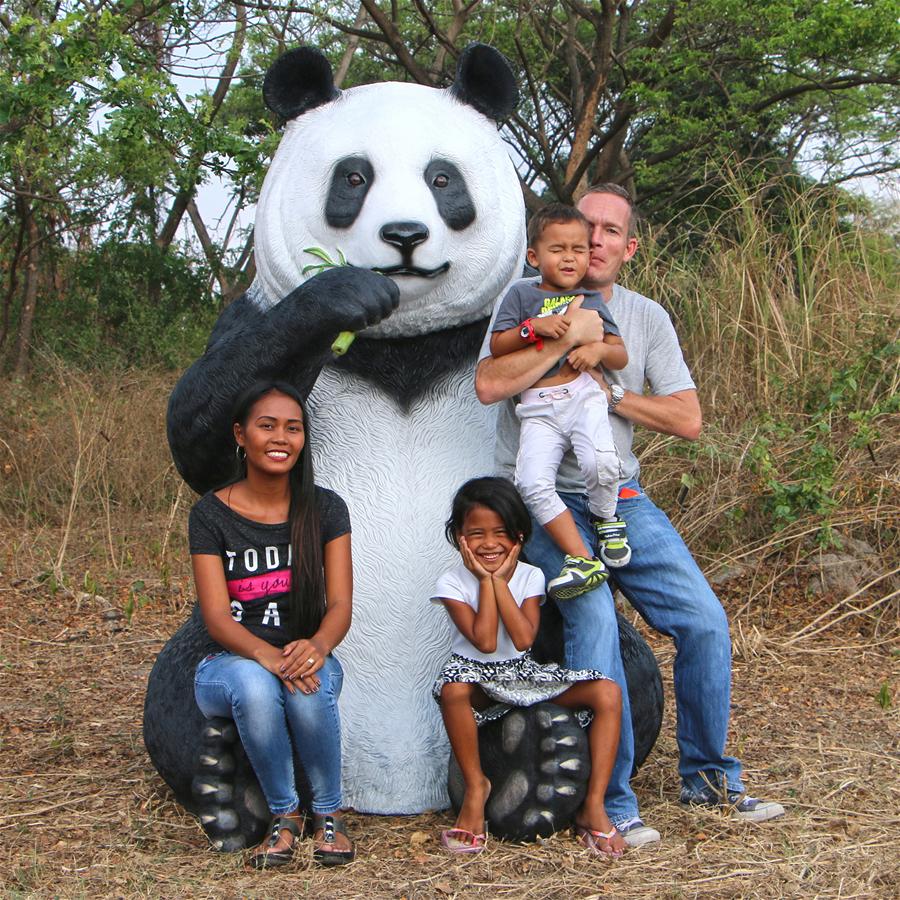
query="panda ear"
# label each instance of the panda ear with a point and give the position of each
(485, 80)
(298, 81)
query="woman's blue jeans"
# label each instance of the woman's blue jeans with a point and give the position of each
(272, 723)
(664, 584)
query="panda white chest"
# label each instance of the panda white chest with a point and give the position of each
(398, 470)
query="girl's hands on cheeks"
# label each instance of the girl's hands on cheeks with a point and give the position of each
(508, 566)
(471, 562)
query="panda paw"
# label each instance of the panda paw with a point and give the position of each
(350, 299)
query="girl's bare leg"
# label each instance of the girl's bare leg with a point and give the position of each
(456, 709)
(604, 698)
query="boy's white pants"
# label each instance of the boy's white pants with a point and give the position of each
(553, 419)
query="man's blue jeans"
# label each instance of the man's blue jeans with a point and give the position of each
(664, 584)
(272, 722)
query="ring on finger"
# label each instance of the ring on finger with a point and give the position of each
(310, 662)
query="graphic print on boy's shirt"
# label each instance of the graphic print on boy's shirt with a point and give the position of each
(556, 306)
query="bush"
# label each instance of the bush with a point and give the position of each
(107, 314)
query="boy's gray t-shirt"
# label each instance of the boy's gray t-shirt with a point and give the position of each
(527, 300)
(654, 359)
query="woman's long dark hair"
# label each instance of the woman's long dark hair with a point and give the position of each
(307, 598)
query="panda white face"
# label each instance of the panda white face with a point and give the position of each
(400, 178)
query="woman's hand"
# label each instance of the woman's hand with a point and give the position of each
(270, 658)
(470, 561)
(508, 566)
(300, 660)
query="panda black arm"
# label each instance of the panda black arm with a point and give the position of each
(291, 341)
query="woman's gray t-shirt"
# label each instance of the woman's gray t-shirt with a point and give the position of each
(256, 558)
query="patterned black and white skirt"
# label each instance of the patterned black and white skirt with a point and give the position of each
(513, 682)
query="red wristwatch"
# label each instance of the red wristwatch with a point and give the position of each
(526, 330)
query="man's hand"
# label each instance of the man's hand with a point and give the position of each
(586, 324)
(497, 378)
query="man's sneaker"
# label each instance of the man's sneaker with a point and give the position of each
(739, 805)
(612, 542)
(636, 833)
(578, 576)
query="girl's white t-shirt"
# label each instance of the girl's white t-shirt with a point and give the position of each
(460, 585)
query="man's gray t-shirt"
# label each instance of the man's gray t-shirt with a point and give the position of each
(654, 359)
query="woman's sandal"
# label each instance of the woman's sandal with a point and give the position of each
(459, 840)
(270, 859)
(331, 827)
(590, 840)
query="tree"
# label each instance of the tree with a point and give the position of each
(105, 138)
(657, 93)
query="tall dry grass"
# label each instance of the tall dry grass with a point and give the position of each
(85, 470)
(788, 313)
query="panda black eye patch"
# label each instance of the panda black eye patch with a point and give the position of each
(448, 187)
(350, 182)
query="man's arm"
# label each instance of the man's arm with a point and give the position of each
(677, 414)
(499, 378)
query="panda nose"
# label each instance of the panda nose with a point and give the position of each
(404, 235)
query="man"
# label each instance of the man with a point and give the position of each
(662, 581)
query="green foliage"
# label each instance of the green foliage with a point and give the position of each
(106, 317)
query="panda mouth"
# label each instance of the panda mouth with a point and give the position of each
(401, 269)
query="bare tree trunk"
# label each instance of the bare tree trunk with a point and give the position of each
(352, 44)
(29, 301)
(12, 284)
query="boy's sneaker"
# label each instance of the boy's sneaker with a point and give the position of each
(739, 805)
(612, 542)
(578, 576)
(635, 833)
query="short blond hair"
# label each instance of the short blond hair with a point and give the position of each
(610, 187)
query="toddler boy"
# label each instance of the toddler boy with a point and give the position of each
(566, 407)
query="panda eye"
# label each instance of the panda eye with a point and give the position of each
(440, 180)
(354, 179)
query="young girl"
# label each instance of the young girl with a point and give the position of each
(493, 601)
(271, 560)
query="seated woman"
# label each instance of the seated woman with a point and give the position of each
(271, 560)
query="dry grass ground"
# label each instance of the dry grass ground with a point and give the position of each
(83, 813)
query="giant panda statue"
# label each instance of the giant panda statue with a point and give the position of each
(414, 187)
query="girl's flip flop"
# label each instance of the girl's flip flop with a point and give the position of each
(458, 840)
(589, 839)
